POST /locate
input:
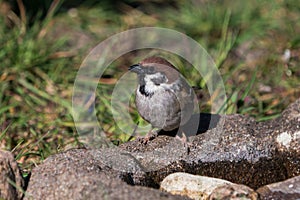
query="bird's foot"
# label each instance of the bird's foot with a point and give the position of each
(184, 141)
(149, 136)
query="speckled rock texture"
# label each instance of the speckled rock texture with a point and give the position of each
(233, 192)
(237, 149)
(288, 189)
(78, 174)
(10, 175)
(233, 147)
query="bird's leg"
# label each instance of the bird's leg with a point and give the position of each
(184, 141)
(149, 136)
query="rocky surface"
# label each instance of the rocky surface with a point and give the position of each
(78, 174)
(11, 181)
(233, 192)
(235, 148)
(203, 187)
(288, 189)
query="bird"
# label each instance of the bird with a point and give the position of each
(163, 97)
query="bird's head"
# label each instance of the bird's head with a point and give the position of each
(156, 71)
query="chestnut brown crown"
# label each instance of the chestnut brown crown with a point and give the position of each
(156, 64)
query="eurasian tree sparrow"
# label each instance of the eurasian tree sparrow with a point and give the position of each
(163, 97)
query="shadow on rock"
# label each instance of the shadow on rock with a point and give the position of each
(199, 123)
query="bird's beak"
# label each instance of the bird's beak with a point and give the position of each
(136, 68)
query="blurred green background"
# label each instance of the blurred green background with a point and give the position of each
(255, 45)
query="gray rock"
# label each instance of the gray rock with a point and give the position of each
(236, 148)
(233, 147)
(77, 174)
(11, 180)
(288, 189)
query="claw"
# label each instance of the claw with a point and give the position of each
(149, 136)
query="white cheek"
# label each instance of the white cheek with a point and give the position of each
(150, 85)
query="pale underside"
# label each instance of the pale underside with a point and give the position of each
(168, 106)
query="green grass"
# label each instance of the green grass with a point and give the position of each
(32, 104)
(39, 63)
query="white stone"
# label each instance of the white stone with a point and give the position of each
(284, 139)
(193, 186)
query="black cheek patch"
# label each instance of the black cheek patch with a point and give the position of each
(144, 92)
